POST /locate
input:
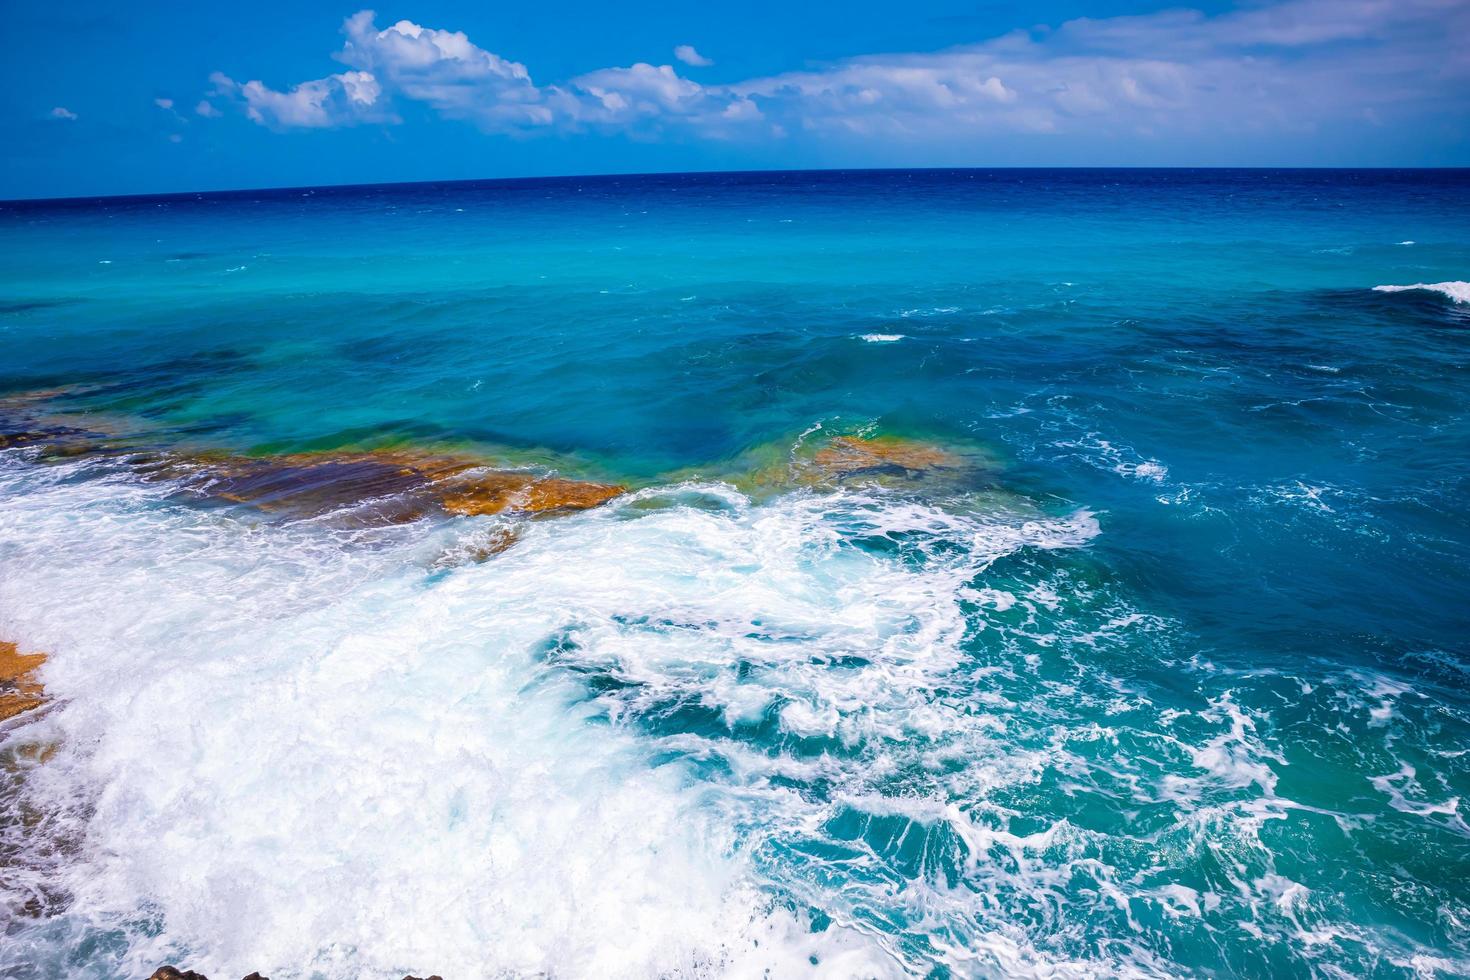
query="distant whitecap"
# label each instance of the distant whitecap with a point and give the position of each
(1455, 290)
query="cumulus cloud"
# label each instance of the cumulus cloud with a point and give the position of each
(1284, 67)
(687, 54)
(206, 109)
(344, 99)
(164, 103)
(62, 112)
(445, 71)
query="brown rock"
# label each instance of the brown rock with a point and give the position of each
(19, 690)
(311, 483)
(486, 493)
(847, 455)
(492, 493)
(554, 494)
(174, 973)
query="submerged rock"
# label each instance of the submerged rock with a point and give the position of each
(822, 460)
(54, 440)
(363, 486)
(19, 690)
(848, 455)
(31, 420)
(478, 548)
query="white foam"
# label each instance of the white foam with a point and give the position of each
(1455, 290)
(1123, 460)
(305, 750)
(882, 338)
(929, 311)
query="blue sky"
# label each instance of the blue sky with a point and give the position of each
(103, 98)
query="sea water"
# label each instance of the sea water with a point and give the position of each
(1175, 681)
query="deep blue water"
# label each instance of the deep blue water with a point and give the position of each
(1173, 679)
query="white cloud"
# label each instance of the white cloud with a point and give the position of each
(687, 54)
(343, 99)
(62, 112)
(1286, 67)
(206, 109)
(164, 103)
(445, 71)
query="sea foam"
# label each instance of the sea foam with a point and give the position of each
(307, 751)
(1455, 290)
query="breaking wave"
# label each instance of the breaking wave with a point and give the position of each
(1457, 291)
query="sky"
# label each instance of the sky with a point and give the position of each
(115, 98)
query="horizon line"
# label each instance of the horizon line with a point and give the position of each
(224, 191)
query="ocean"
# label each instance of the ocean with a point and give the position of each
(962, 573)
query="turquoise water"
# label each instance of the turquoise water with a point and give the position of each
(1172, 679)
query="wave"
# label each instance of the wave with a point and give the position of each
(1457, 291)
(690, 733)
(882, 338)
(303, 747)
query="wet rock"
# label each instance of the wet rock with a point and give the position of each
(310, 484)
(849, 455)
(30, 420)
(389, 486)
(56, 440)
(480, 547)
(174, 973)
(19, 690)
(486, 493)
(372, 486)
(554, 494)
(497, 492)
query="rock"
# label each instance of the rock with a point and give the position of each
(486, 493)
(19, 690)
(174, 973)
(492, 493)
(390, 485)
(554, 494)
(848, 455)
(56, 440)
(479, 548)
(313, 483)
